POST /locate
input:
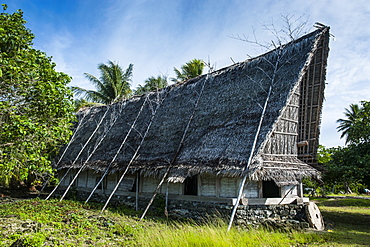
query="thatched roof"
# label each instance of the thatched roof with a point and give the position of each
(225, 108)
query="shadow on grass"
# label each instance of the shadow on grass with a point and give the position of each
(348, 228)
(351, 219)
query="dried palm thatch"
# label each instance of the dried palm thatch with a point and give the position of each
(224, 124)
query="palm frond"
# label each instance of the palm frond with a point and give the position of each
(113, 84)
(189, 70)
(347, 126)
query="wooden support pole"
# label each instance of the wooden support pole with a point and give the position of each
(73, 136)
(249, 159)
(177, 151)
(78, 155)
(273, 81)
(118, 151)
(286, 195)
(134, 156)
(166, 203)
(137, 191)
(88, 158)
(65, 150)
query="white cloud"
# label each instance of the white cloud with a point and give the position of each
(158, 35)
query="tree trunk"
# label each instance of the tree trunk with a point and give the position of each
(347, 188)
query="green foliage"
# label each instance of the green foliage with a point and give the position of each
(81, 103)
(349, 166)
(152, 84)
(66, 223)
(324, 154)
(189, 70)
(356, 126)
(35, 104)
(112, 86)
(34, 240)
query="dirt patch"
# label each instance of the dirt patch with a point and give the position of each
(8, 195)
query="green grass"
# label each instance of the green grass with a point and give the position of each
(216, 235)
(71, 223)
(348, 220)
(66, 223)
(348, 195)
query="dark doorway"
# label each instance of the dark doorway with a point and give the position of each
(270, 189)
(191, 186)
(135, 185)
(100, 186)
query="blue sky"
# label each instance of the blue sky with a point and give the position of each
(157, 35)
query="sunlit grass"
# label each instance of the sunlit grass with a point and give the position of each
(66, 223)
(355, 210)
(353, 206)
(71, 223)
(342, 202)
(177, 235)
(349, 195)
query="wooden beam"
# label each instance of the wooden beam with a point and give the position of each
(289, 120)
(280, 155)
(284, 133)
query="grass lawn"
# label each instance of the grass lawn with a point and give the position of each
(37, 222)
(347, 219)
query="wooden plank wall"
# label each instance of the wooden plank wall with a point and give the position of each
(292, 191)
(311, 101)
(148, 184)
(228, 187)
(251, 190)
(209, 185)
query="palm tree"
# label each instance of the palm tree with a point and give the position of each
(112, 86)
(152, 84)
(189, 70)
(81, 103)
(348, 126)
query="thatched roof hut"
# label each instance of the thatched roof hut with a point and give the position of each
(208, 124)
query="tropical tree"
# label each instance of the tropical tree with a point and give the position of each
(356, 126)
(152, 84)
(36, 108)
(112, 86)
(348, 168)
(346, 126)
(189, 70)
(82, 103)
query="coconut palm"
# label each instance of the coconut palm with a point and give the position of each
(81, 103)
(152, 84)
(112, 86)
(189, 70)
(348, 126)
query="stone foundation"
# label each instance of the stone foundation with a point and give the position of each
(291, 215)
(254, 215)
